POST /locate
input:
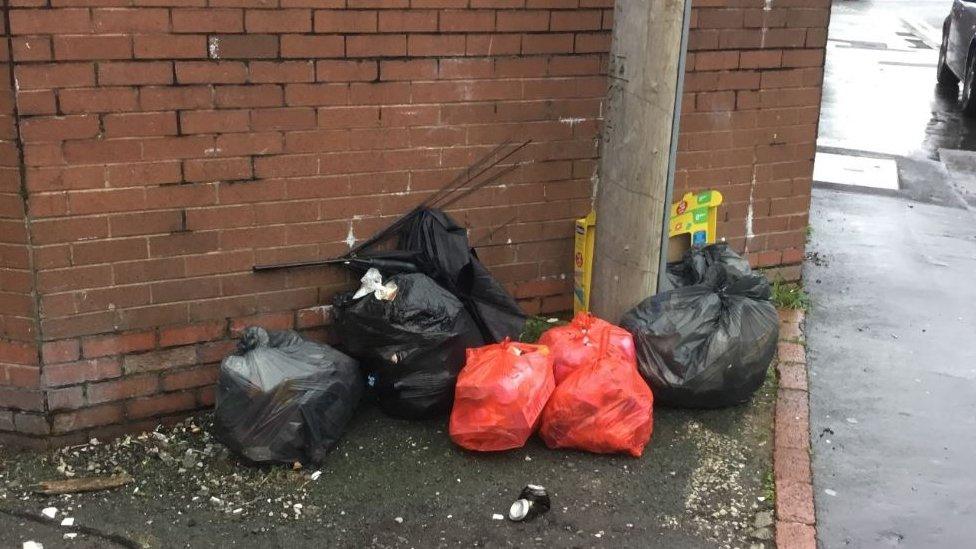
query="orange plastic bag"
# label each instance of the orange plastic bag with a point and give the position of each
(500, 395)
(604, 406)
(576, 343)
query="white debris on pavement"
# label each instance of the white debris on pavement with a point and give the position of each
(68, 521)
(496, 516)
(49, 512)
(851, 421)
(32, 545)
(830, 492)
(316, 475)
(70, 535)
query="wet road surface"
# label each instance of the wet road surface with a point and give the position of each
(890, 273)
(879, 85)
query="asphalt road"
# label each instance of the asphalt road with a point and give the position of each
(890, 274)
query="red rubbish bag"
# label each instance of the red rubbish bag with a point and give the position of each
(500, 395)
(576, 343)
(604, 406)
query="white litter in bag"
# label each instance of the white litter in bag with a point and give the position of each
(373, 283)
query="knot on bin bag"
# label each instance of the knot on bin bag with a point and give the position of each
(252, 338)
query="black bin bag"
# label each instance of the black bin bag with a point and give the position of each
(282, 398)
(695, 262)
(707, 344)
(411, 343)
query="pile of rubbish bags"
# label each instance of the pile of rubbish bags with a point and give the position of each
(441, 338)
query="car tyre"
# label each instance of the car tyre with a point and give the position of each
(968, 95)
(946, 79)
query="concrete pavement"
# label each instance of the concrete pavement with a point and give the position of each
(892, 366)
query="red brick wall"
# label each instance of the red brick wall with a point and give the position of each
(21, 401)
(749, 120)
(169, 145)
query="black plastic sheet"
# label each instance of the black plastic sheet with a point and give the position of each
(282, 398)
(694, 265)
(708, 344)
(412, 346)
(438, 247)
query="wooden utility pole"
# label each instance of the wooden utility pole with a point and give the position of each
(637, 152)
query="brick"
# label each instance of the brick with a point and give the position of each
(285, 71)
(183, 243)
(196, 333)
(269, 321)
(69, 398)
(591, 42)
(149, 173)
(345, 21)
(122, 389)
(794, 502)
(291, 118)
(16, 375)
(159, 405)
(31, 423)
(59, 128)
(21, 399)
(86, 417)
(316, 94)
(792, 376)
(169, 46)
(310, 47)
(523, 20)
(106, 99)
(117, 344)
(795, 535)
(135, 73)
(140, 124)
(278, 20)
(211, 72)
(193, 377)
(413, 20)
(159, 360)
(313, 317)
(547, 43)
(792, 420)
(262, 95)
(183, 97)
(466, 21)
(217, 169)
(791, 352)
(791, 465)
(36, 102)
(411, 69)
(66, 350)
(246, 46)
(107, 251)
(50, 21)
(432, 45)
(32, 48)
(576, 20)
(75, 48)
(345, 70)
(208, 20)
(386, 45)
(129, 20)
(54, 75)
(221, 121)
(493, 44)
